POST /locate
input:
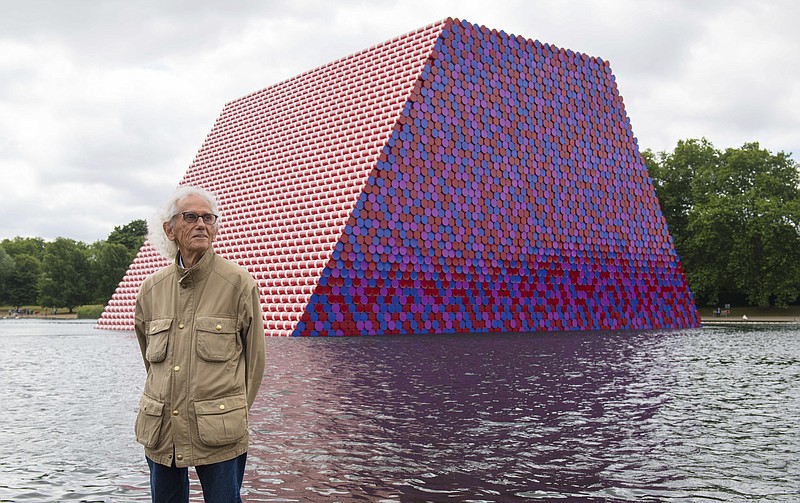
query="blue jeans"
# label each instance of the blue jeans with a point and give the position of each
(221, 482)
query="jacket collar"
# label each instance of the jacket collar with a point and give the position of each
(196, 273)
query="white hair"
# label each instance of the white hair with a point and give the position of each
(167, 214)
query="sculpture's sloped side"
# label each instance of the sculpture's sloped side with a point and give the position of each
(510, 197)
(288, 164)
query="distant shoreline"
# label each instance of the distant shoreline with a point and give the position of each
(786, 320)
(69, 316)
(705, 320)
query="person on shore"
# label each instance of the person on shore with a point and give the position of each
(200, 330)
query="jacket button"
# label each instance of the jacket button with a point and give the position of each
(179, 457)
(177, 368)
(222, 406)
(219, 327)
(175, 412)
(181, 325)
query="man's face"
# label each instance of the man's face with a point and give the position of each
(192, 238)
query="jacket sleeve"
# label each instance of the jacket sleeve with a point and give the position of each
(253, 339)
(139, 327)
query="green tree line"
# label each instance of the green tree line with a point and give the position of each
(733, 214)
(65, 272)
(734, 217)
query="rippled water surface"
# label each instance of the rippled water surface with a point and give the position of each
(699, 415)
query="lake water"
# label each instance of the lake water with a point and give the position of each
(699, 415)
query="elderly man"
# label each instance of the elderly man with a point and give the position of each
(199, 326)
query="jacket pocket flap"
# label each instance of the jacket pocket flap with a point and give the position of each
(220, 405)
(221, 325)
(159, 325)
(150, 406)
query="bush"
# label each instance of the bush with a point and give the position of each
(90, 312)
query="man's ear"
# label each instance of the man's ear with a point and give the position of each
(168, 231)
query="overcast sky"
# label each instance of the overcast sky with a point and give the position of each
(104, 104)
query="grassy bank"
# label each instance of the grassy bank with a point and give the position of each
(754, 313)
(92, 311)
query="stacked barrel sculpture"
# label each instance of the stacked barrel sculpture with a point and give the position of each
(454, 179)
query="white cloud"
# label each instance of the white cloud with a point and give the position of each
(103, 105)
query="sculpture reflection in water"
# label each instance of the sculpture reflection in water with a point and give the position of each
(455, 416)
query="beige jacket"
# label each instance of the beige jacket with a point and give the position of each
(202, 339)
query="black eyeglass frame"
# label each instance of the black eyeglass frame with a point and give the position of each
(191, 217)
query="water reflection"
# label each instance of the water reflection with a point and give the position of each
(68, 400)
(510, 416)
(685, 416)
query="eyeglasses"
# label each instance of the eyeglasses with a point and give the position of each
(191, 217)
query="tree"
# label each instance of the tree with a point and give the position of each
(6, 270)
(131, 235)
(21, 286)
(673, 175)
(24, 246)
(108, 263)
(705, 251)
(735, 220)
(65, 274)
(765, 256)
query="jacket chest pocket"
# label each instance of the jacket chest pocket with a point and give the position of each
(157, 340)
(217, 339)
